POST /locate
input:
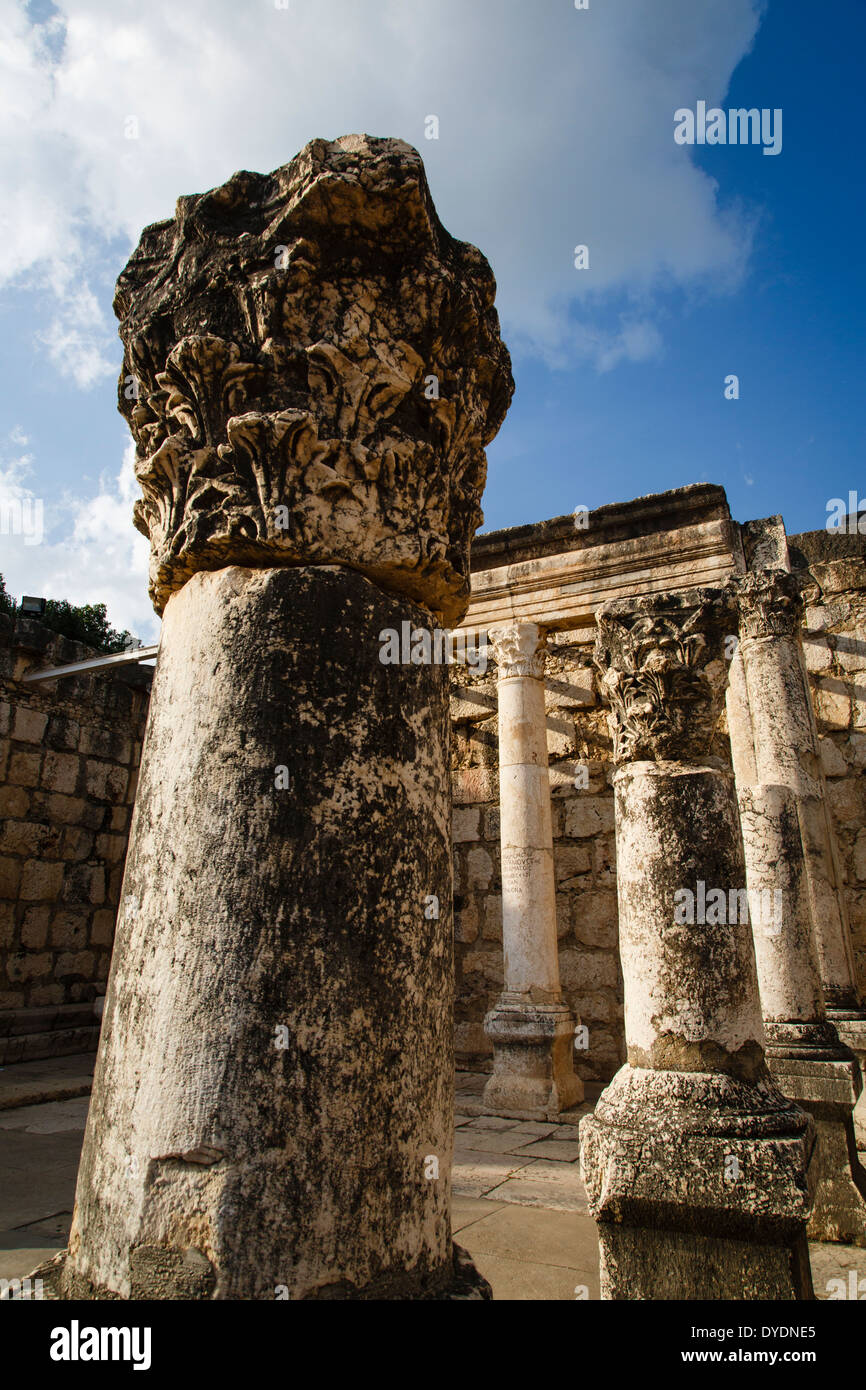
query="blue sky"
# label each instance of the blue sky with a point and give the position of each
(555, 128)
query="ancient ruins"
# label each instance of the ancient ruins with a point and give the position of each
(618, 866)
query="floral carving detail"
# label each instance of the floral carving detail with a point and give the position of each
(519, 650)
(282, 334)
(662, 665)
(770, 602)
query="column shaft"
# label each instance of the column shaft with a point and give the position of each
(786, 753)
(286, 1010)
(787, 842)
(695, 1164)
(531, 1029)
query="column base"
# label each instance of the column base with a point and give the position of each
(642, 1263)
(817, 1041)
(851, 1027)
(700, 1186)
(56, 1279)
(828, 1090)
(533, 1062)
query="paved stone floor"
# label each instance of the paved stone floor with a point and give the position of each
(519, 1203)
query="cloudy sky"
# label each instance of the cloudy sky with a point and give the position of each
(556, 128)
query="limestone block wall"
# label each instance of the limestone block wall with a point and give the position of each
(69, 753)
(833, 571)
(584, 855)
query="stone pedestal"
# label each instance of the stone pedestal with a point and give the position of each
(532, 1031)
(695, 1164)
(271, 1113)
(804, 1052)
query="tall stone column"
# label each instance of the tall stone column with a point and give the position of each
(532, 1030)
(695, 1164)
(272, 1105)
(804, 1052)
(786, 754)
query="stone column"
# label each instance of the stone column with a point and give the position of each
(272, 1105)
(532, 1030)
(786, 754)
(804, 1052)
(695, 1164)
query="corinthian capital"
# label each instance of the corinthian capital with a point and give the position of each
(770, 603)
(313, 370)
(518, 649)
(663, 671)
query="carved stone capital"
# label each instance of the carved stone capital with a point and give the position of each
(770, 603)
(663, 671)
(519, 650)
(313, 369)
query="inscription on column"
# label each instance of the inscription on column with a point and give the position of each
(517, 865)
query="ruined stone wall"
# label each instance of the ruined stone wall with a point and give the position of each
(69, 754)
(833, 571)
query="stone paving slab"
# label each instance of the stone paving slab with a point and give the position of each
(495, 1141)
(534, 1255)
(475, 1174)
(53, 1117)
(21, 1260)
(40, 1147)
(57, 1078)
(465, 1211)
(523, 1191)
(559, 1149)
(524, 1281)
(846, 1264)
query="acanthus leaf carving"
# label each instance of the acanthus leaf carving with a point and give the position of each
(661, 661)
(770, 603)
(519, 649)
(280, 340)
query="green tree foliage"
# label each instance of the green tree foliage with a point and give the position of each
(88, 623)
(7, 602)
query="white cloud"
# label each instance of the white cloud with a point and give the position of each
(637, 341)
(90, 553)
(556, 128)
(78, 339)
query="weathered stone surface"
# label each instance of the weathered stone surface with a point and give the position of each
(658, 1159)
(273, 1095)
(694, 1163)
(532, 1031)
(693, 1001)
(786, 753)
(282, 333)
(804, 1053)
(294, 1159)
(662, 665)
